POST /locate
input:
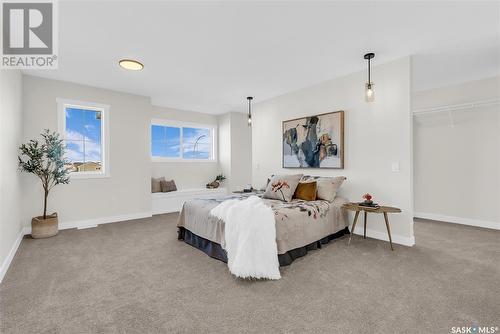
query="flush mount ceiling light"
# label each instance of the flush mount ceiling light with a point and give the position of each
(369, 93)
(130, 64)
(249, 120)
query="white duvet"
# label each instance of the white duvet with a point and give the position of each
(250, 238)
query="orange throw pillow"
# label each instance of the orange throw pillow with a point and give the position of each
(306, 191)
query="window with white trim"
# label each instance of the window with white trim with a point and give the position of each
(175, 141)
(83, 126)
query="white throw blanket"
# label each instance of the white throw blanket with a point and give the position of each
(250, 238)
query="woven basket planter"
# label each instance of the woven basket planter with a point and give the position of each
(44, 228)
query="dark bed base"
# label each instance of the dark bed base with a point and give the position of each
(215, 250)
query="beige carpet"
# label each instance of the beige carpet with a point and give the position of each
(135, 277)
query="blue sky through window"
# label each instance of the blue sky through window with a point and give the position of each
(196, 143)
(166, 142)
(83, 135)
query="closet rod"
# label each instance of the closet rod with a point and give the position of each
(482, 103)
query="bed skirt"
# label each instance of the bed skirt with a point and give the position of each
(215, 250)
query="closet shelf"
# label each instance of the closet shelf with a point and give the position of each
(454, 107)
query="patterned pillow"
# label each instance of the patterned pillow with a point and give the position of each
(282, 187)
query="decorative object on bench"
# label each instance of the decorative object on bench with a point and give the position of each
(282, 187)
(156, 184)
(314, 142)
(217, 182)
(357, 207)
(46, 160)
(167, 186)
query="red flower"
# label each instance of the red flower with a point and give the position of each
(278, 185)
(367, 197)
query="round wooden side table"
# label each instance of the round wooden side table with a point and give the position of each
(381, 209)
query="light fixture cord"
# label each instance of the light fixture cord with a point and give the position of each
(369, 70)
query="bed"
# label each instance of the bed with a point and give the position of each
(301, 226)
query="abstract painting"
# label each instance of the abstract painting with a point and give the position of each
(314, 142)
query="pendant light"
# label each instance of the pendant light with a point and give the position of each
(369, 93)
(249, 120)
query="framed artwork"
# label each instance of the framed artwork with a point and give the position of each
(314, 141)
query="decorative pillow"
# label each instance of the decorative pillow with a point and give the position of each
(309, 178)
(282, 187)
(155, 184)
(328, 187)
(306, 191)
(269, 179)
(167, 186)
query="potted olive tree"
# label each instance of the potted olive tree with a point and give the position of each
(45, 159)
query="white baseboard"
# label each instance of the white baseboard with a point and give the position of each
(6, 263)
(166, 210)
(458, 220)
(104, 220)
(396, 238)
(88, 223)
(86, 226)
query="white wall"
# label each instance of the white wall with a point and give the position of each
(241, 151)
(126, 193)
(457, 167)
(10, 178)
(225, 148)
(235, 150)
(187, 175)
(376, 134)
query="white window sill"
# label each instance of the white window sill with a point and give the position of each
(83, 175)
(159, 159)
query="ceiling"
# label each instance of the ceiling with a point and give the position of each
(208, 56)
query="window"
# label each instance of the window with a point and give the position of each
(165, 141)
(84, 129)
(172, 141)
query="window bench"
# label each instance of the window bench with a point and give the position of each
(173, 200)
